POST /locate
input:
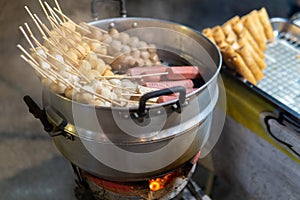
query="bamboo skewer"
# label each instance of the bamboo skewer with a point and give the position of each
(58, 7)
(33, 37)
(69, 20)
(34, 66)
(52, 67)
(47, 61)
(53, 14)
(35, 22)
(104, 56)
(93, 40)
(42, 72)
(95, 28)
(27, 38)
(45, 11)
(101, 96)
(132, 77)
(70, 67)
(133, 94)
(115, 86)
(27, 54)
(43, 26)
(68, 58)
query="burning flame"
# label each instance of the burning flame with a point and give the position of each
(160, 183)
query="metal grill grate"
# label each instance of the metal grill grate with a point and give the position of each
(282, 75)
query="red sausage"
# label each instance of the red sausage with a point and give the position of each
(167, 84)
(135, 71)
(171, 97)
(182, 72)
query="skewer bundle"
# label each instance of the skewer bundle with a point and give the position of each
(242, 42)
(77, 60)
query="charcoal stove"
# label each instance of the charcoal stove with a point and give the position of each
(175, 185)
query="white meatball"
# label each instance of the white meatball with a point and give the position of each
(129, 60)
(106, 92)
(76, 37)
(101, 66)
(72, 54)
(116, 44)
(86, 46)
(135, 53)
(97, 86)
(45, 65)
(58, 61)
(98, 102)
(152, 48)
(145, 54)
(125, 49)
(80, 51)
(101, 50)
(70, 26)
(64, 47)
(92, 59)
(93, 74)
(115, 82)
(94, 45)
(124, 38)
(128, 84)
(84, 66)
(154, 57)
(134, 41)
(96, 34)
(142, 45)
(70, 92)
(107, 39)
(140, 62)
(40, 51)
(46, 82)
(148, 62)
(58, 88)
(114, 33)
(84, 97)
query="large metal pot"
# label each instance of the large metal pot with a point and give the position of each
(135, 143)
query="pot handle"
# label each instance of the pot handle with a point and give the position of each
(123, 12)
(177, 89)
(38, 113)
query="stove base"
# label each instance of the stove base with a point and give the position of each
(191, 192)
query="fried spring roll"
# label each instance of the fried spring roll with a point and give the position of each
(265, 21)
(246, 55)
(255, 17)
(233, 20)
(252, 28)
(218, 34)
(208, 33)
(229, 33)
(242, 32)
(235, 61)
(259, 61)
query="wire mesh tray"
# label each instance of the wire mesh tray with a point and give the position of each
(281, 83)
(282, 75)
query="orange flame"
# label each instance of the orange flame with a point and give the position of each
(159, 183)
(155, 185)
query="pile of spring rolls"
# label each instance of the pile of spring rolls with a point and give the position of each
(242, 42)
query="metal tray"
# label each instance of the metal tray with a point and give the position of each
(281, 83)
